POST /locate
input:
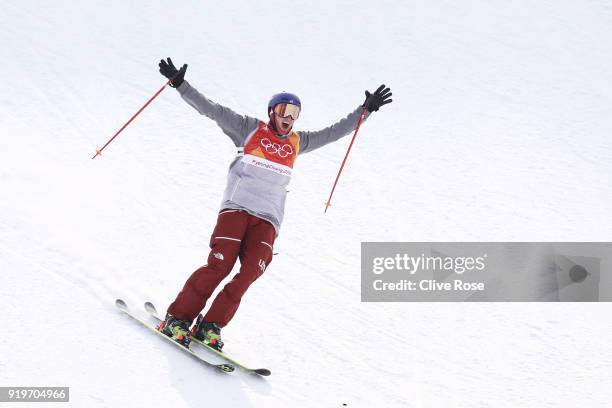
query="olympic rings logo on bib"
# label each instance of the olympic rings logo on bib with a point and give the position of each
(275, 148)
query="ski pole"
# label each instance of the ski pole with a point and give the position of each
(99, 151)
(328, 204)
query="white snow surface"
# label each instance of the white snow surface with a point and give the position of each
(499, 131)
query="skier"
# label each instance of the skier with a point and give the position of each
(253, 202)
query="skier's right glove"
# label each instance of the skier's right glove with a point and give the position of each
(379, 98)
(176, 76)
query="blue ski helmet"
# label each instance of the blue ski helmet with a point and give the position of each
(284, 97)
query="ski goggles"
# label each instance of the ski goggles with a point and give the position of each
(287, 109)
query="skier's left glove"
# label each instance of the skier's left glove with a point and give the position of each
(176, 76)
(379, 98)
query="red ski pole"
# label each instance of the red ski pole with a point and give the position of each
(328, 204)
(99, 151)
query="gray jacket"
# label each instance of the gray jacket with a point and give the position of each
(251, 186)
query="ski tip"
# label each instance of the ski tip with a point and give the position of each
(150, 307)
(262, 371)
(120, 303)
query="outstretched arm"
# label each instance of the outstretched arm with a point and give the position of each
(310, 141)
(236, 126)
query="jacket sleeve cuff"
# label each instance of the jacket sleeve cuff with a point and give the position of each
(183, 87)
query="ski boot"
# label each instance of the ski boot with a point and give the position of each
(175, 328)
(209, 333)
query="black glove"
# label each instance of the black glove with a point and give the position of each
(176, 76)
(379, 98)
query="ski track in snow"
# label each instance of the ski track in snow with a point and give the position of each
(499, 131)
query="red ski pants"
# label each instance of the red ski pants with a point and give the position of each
(238, 234)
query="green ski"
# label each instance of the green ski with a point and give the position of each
(121, 305)
(261, 371)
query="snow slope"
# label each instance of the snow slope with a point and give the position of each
(499, 131)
